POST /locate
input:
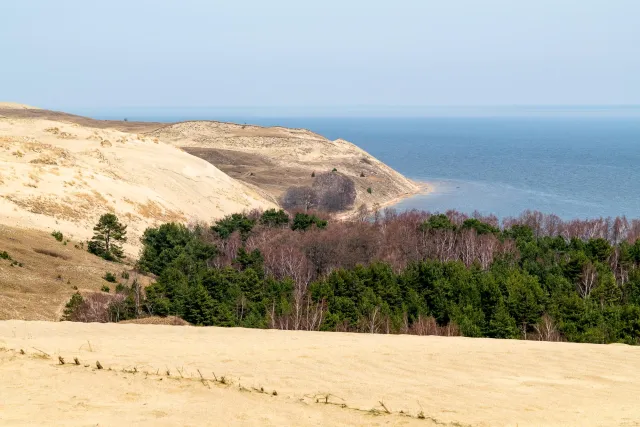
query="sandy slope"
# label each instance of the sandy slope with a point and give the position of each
(275, 158)
(454, 380)
(63, 176)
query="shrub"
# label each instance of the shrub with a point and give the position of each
(273, 218)
(72, 307)
(109, 277)
(369, 190)
(304, 222)
(105, 288)
(226, 226)
(58, 236)
(334, 170)
(96, 307)
(361, 174)
(125, 275)
(5, 255)
(313, 174)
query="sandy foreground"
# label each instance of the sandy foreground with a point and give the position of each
(453, 381)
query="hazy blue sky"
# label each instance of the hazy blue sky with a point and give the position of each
(287, 53)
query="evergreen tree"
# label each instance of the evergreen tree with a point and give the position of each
(107, 235)
(502, 325)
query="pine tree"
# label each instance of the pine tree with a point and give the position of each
(502, 325)
(108, 233)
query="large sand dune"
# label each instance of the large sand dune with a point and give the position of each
(63, 176)
(453, 381)
(267, 159)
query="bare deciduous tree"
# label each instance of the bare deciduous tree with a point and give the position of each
(300, 198)
(336, 192)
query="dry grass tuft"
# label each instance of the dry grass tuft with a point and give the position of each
(154, 210)
(44, 160)
(51, 253)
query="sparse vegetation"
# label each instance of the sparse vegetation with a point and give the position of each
(105, 289)
(5, 255)
(51, 253)
(110, 277)
(58, 236)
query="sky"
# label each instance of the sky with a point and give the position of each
(315, 55)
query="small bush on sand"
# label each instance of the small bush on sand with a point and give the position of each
(105, 288)
(58, 236)
(109, 277)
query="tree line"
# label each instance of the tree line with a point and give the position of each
(531, 277)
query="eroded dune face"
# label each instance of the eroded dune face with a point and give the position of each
(63, 176)
(276, 158)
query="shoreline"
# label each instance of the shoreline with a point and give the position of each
(423, 188)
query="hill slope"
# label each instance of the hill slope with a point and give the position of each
(42, 274)
(63, 176)
(276, 158)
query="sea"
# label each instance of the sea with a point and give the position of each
(575, 163)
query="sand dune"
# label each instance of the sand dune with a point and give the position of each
(63, 176)
(275, 158)
(454, 381)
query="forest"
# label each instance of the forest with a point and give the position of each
(535, 276)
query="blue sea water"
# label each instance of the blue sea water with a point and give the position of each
(573, 165)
